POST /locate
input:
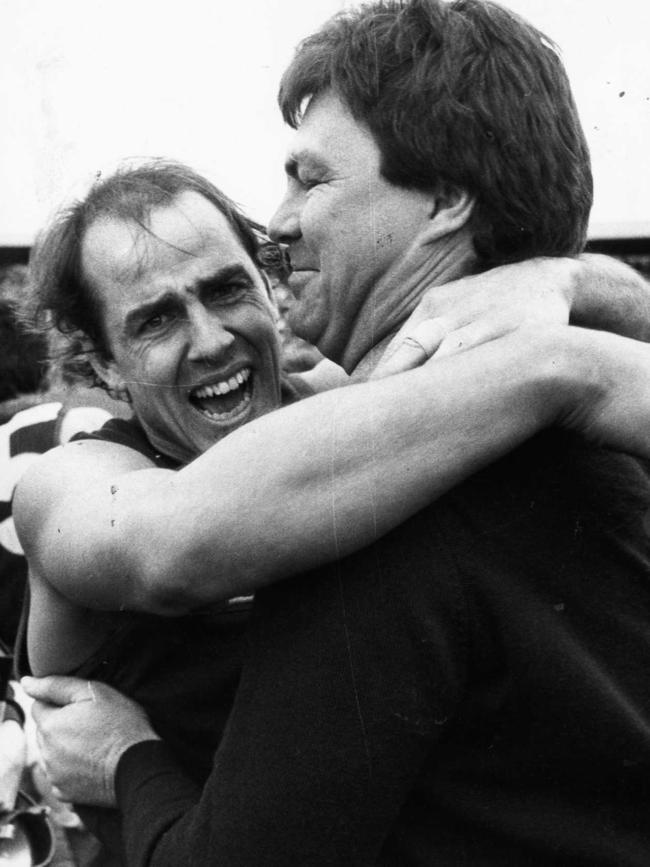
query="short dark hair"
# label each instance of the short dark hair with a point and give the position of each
(463, 95)
(61, 297)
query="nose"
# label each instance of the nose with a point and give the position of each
(209, 338)
(284, 226)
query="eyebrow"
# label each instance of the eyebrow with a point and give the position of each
(170, 299)
(221, 276)
(139, 314)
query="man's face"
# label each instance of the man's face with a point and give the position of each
(350, 233)
(188, 324)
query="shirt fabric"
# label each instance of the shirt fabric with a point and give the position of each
(471, 689)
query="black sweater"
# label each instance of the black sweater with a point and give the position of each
(472, 689)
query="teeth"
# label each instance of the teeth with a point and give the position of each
(224, 416)
(224, 386)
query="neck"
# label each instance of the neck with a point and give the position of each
(364, 369)
(393, 300)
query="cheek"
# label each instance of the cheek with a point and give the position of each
(322, 220)
(153, 365)
(257, 321)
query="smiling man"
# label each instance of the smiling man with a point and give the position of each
(472, 688)
(187, 273)
(154, 279)
(353, 237)
(154, 285)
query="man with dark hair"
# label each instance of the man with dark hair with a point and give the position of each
(462, 96)
(153, 284)
(471, 114)
(472, 688)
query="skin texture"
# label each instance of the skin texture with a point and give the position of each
(183, 306)
(361, 248)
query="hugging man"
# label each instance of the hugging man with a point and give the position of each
(472, 687)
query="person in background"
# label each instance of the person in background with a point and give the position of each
(34, 420)
(35, 416)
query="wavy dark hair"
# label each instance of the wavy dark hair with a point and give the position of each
(464, 95)
(60, 298)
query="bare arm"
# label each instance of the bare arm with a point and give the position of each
(611, 296)
(592, 291)
(617, 412)
(83, 741)
(302, 486)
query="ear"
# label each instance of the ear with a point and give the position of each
(106, 370)
(451, 211)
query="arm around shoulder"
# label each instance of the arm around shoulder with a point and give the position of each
(76, 527)
(611, 296)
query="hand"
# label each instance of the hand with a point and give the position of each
(13, 752)
(84, 727)
(465, 313)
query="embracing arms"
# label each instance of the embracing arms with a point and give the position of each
(592, 291)
(299, 487)
(94, 726)
(314, 481)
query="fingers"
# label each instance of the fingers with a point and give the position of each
(57, 690)
(418, 343)
(473, 335)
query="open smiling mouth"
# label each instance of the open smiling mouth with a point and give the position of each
(225, 399)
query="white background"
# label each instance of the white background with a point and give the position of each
(84, 83)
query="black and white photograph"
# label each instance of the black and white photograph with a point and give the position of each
(324, 433)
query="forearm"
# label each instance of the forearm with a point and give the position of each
(611, 296)
(322, 478)
(594, 291)
(297, 488)
(615, 408)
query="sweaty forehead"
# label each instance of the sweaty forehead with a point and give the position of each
(191, 227)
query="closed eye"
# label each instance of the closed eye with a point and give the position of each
(308, 182)
(307, 170)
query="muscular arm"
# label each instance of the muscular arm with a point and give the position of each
(302, 486)
(611, 296)
(591, 291)
(316, 761)
(320, 631)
